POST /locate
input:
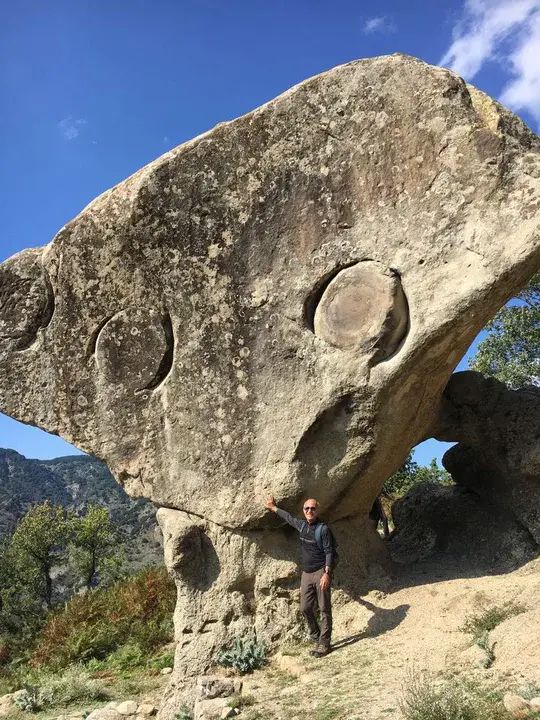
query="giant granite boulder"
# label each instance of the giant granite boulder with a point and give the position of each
(276, 306)
(461, 534)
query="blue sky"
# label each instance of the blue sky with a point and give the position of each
(92, 90)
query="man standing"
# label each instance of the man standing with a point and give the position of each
(318, 559)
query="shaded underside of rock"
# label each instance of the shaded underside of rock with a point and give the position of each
(277, 305)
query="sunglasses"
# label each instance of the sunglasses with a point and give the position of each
(309, 509)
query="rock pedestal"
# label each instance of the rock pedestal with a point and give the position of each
(245, 583)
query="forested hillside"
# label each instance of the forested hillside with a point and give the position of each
(74, 482)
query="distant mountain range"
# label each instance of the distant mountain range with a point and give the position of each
(75, 481)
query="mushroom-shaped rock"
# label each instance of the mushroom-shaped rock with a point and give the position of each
(276, 306)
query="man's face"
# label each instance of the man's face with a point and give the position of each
(311, 508)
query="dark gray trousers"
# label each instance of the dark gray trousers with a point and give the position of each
(312, 598)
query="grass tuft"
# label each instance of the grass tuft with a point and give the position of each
(74, 685)
(242, 701)
(423, 699)
(485, 622)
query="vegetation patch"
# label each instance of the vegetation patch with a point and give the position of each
(129, 620)
(244, 655)
(183, 713)
(423, 699)
(486, 621)
(488, 647)
(241, 701)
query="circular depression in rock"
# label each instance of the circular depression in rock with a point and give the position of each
(26, 300)
(134, 348)
(363, 306)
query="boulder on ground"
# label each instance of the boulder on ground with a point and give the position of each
(498, 434)
(7, 704)
(515, 704)
(213, 686)
(209, 709)
(447, 520)
(105, 714)
(127, 707)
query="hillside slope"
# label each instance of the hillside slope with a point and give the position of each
(75, 482)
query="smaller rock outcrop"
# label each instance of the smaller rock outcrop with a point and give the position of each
(436, 520)
(498, 452)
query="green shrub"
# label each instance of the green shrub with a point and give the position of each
(244, 655)
(241, 701)
(529, 691)
(127, 656)
(450, 700)
(184, 713)
(137, 611)
(73, 685)
(163, 660)
(488, 647)
(29, 699)
(488, 620)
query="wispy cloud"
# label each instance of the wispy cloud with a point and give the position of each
(71, 128)
(166, 140)
(504, 31)
(382, 24)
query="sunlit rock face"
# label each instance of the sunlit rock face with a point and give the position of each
(277, 305)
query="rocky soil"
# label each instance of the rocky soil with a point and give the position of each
(414, 629)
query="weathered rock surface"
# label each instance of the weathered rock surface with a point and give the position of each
(7, 704)
(515, 703)
(278, 304)
(209, 709)
(434, 521)
(213, 686)
(146, 709)
(498, 450)
(127, 707)
(105, 714)
(275, 306)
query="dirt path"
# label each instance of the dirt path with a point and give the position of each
(415, 629)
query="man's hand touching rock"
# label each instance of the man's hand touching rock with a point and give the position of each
(270, 503)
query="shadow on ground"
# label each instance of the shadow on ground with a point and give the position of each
(380, 622)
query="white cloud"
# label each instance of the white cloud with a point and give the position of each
(523, 92)
(70, 128)
(505, 31)
(166, 140)
(378, 24)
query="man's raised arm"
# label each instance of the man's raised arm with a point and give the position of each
(270, 504)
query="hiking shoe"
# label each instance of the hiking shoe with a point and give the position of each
(320, 651)
(314, 640)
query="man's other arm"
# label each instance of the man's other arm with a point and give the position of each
(328, 547)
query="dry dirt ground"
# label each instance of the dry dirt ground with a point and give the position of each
(413, 630)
